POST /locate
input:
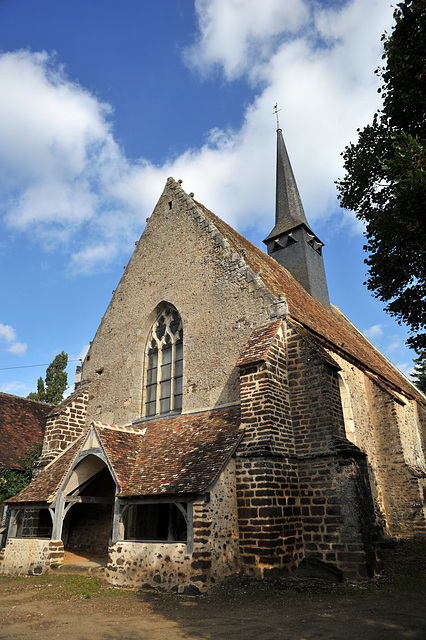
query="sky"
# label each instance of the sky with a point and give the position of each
(102, 100)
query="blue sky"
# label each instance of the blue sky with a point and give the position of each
(100, 101)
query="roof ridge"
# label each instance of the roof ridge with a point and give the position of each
(389, 362)
(114, 427)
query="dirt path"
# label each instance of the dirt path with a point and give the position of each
(79, 608)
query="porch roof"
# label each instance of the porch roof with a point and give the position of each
(172, 456)
(180, 455)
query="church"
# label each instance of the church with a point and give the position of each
(226, 419)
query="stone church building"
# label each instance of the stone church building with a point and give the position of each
(227, 418)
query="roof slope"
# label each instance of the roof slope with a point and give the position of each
(44, 487)
(175, 456)
(329, 325)
(22, 424)
(257, 347)
(168, 457)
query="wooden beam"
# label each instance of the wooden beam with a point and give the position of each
(89, 499)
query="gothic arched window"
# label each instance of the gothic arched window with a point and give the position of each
(164, 364)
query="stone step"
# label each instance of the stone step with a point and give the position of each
(88, 567)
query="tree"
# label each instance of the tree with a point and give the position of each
(385, 181)
(419, 374)
(56, 381)
(14, 480)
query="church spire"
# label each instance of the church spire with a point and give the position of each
(288, 205)
(292, 242)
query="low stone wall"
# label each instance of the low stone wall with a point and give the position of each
(30, 556)
(135, 564)
(168, 565)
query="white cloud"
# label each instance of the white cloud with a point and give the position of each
(8, 335)
(393, 345)
(7, 332)
(406, 368)
(15, 387)
(66, 180)
(374, 332)
(235, 34)
(60, 168)
(18, 348)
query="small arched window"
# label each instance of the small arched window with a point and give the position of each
(164, 365)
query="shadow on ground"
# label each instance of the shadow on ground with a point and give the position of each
(391, 607)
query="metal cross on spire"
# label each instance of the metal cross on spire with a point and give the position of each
(276, 113)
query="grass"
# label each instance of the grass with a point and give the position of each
(59, 587)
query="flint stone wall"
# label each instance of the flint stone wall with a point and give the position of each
(30, 556)
(170, 565)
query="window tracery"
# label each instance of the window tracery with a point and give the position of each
(164, 365)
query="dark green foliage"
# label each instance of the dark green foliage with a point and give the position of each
(40, 394)
(56, 379)
(385, 181)
(12, 481)
(52, 390)
(420, 373)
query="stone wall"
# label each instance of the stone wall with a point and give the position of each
(267, 481)
(215, 525)
(265, 404)
(173, 565)
(270, 524)
(303, 488)
(337, 513)
(403, 504)
(316, 408)
(388, 428)
(220, 303)
(138, 564)
(29, 556)
(336, 504)
(64, 425)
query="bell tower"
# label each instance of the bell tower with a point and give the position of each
(292, 242)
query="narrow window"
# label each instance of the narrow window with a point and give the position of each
(164, 365)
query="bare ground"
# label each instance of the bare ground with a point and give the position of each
(390, 607)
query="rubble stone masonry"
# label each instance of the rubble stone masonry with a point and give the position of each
(30, 556)
(210, 555)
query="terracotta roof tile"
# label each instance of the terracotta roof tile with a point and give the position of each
(44, 487)
(328, 324)
(168, 456)
(257, 347)
(22, 424)
(179, 455)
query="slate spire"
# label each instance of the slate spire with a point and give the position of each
(288, 206)
(292, 242)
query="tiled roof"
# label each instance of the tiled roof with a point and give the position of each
(328, 324)
(257, 347)
(179, 455)
(167, 457)
(43, 488)
(22, 423)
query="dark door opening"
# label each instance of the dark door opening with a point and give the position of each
(87, 526)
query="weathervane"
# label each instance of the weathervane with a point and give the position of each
(276, 113)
